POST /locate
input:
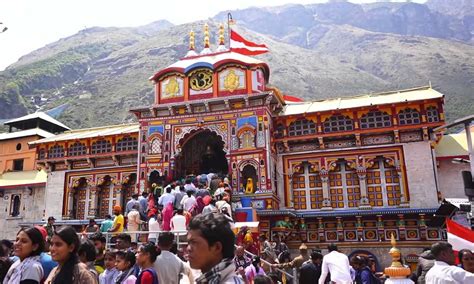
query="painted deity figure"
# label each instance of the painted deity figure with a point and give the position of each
(249, 186)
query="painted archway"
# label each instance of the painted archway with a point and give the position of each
(202, 152)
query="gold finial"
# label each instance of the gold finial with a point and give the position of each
(206, 36)
(221, 34)
(191, 40)
(396, 269)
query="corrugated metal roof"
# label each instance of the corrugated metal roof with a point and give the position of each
(25, 133)
(90, 133)
(362, 101)
(10, 179)
(40, 115)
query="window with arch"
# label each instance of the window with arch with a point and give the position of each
(41, 154)
(409, 116)
(344, 188)
(57, 151)
(247, 139)
(307, 188)
(301, 127)
(375, 119)
(127, 143)
(15, 205)
(338, 123)
(77, 149)
(279, 131)
(101, 146)
(432, 114)
(383, 184)
(155, 146)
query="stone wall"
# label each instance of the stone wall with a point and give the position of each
(420, 175)
(54, 194)
(450, 179)
(31, 209)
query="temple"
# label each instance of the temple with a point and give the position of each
(353, 170)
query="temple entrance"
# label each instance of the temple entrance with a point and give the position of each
(202, 153)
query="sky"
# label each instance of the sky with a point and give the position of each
(34, 23)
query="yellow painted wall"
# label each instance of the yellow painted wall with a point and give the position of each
(8, 153)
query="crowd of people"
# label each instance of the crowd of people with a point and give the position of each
(199, 217)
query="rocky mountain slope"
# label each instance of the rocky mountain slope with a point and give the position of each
(317, 51)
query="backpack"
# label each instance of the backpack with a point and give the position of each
(153, 273)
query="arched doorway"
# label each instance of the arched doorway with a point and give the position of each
(247, 175)
(128, 188)
(80, 201)
(202, 153)
(105, 196)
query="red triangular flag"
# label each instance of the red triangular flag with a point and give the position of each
(240, 45)
(292, 99)
(459, 236)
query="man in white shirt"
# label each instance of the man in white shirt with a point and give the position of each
(166, 198)
(178, 222)
(167, 265)
(444, 270)
(188, 201)
(338, 265)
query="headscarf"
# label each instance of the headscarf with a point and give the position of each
(199, 204)
(167, 215)
(14, 273)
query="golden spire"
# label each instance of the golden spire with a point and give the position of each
(396, 269)
(191, 40)
(221, 34)
(206, 36)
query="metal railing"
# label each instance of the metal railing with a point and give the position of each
(179, 236)
(293, 277)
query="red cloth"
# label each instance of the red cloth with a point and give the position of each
(167, 215)
(147, 278)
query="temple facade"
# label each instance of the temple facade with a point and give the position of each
(351, 171)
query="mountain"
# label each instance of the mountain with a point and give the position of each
(317, 51)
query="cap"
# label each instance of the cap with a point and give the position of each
(43, 231)
(207, 199)
(303, 247)
(51, 218)
(117, 208)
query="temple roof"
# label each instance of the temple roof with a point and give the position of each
(37, 119)
(211, 61)
(91, 133)
(416, 94)
(25, 133)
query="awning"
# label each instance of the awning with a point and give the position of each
(23, 178)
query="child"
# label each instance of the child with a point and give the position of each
(146, 256)
(110, 273)
(124, 262)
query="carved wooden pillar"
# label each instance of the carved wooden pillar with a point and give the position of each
(364, 200)
(325, 181)
(93, 201)
(401, 226)
(321, 229)
(403, 194)
(360, 228)
(70, 203)
(380, 228)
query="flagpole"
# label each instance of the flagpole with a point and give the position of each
(229, 20)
